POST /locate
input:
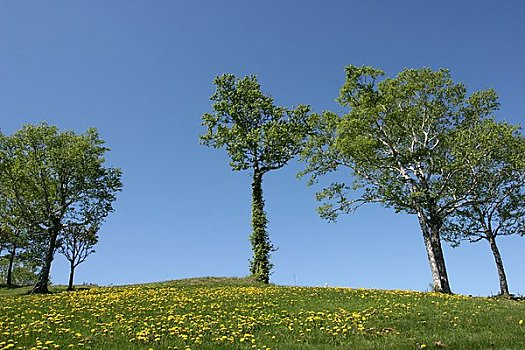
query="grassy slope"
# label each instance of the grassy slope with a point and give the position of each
(220, 313)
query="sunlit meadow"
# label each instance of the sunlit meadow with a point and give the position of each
(237, 314)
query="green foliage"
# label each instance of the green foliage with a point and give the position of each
(260, 265)
(24, 272)
(495, 157)
(398, 138)
(55, 179)
(60, 175)
(76, 244)
(19, 246)
(400, 142)
(495, 153)
(401, 136)
(258, 136)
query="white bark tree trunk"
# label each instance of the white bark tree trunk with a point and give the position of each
(436, 259)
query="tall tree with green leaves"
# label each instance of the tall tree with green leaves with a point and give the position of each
(496, 155)
(258, 136)
(398, 143)
(56, 178)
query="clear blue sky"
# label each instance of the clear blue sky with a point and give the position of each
(141, 72)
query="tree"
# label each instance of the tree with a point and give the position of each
(21, 246)
(259, 136)
(23, 271)
(14, 237)
(13, 240)
(7, 258)
(76, 245)
(56, 179)
(498, 198)
(398, 140)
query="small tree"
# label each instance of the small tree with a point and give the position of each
(14, 237)
(498, 198)
(13, 242)
(24, 272)
(259, 136)
(17, 243)
(56, 178)
(4, 255)
(76, 245)
(398, 140)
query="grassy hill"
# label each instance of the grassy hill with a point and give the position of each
(232, 313)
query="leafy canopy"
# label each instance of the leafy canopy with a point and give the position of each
(55, 177)
(496, 166)
(256, 133)
(399, 140)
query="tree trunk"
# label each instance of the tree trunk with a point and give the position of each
(260, 265)
(9, 279)
(43, 278)
(436, 259)
(71, 274)
(503, 285)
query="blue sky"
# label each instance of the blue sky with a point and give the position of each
(142, 71)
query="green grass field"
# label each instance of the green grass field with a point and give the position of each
(229, 313)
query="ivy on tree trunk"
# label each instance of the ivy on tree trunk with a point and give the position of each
(258, 136)
(260, 265)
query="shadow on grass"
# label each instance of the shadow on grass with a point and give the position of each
(12, 291)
